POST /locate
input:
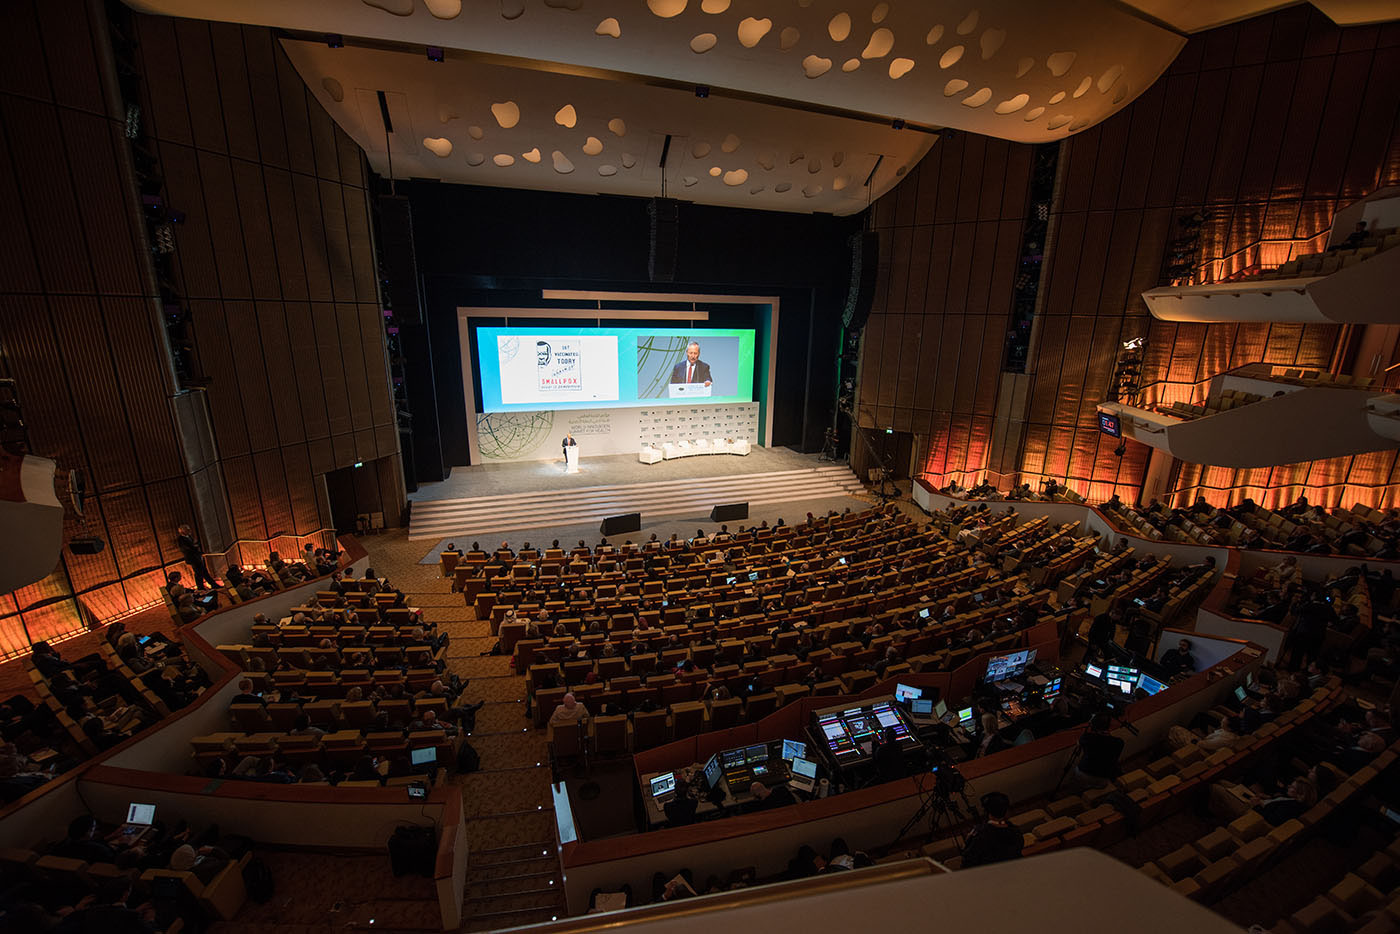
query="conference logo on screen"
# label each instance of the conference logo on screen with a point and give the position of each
(559, 366)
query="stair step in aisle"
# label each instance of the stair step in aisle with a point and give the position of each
(529, 510)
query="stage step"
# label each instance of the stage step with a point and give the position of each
(576, 505)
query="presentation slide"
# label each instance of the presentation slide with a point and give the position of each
(523, 369)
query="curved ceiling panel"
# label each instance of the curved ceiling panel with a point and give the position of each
(1024, 70)
(464, 120)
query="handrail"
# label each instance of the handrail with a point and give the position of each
(706, 905)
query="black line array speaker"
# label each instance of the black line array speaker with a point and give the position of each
(398, 260)
(729, 512)
(664, 217)
(615, 525)
(865, 265)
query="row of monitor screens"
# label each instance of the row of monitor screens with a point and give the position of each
(794, 752)
(849, 731)
(1124, 678)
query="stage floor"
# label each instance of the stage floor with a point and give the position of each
(608, 470)
(536, 501)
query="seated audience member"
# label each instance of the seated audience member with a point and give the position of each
(1300, 796)
(302, 726)
(840, 859)
(1099, 752)
(245, 694)
(1179, 661)
(680, 810)
(804, 864)
(187, 609)
(205, 862)
(570, 711)
(83, 842)
(765, 798)
(1179, 737)
(994, 840)
(109, 913)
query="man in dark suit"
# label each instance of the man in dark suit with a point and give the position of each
(693, 370)
(193, 554)
(569, 442)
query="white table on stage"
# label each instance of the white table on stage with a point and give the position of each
(571, 459)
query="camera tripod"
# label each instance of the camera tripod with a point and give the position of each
(940, 804)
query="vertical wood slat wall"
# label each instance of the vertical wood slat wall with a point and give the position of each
(1270, 125)
(274, 258)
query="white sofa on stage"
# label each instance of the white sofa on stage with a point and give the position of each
(671, 450)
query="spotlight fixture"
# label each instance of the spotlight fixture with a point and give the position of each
(702, 91)
(1121, 449)
(897, 123)
(335, 40)
(434, 53)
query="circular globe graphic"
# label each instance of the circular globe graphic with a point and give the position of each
(511, 435)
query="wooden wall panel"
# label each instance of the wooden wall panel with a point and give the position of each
(234, 96)
(194, 253)
(252, 200)
(106, 231)
(261, 52)
(201, 84)
(51, 209)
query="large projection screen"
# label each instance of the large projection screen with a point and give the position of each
(523, 369)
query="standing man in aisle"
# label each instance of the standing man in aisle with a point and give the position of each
(693, 370)
(193, 554)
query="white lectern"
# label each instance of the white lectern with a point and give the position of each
(571, 459)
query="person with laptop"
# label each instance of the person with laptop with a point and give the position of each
(680, 810)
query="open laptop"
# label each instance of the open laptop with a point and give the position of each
(138, 818)
(804, 775)
(663, 787)
(424, 759)
(921, 710)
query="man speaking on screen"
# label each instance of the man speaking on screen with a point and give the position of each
(693, 370)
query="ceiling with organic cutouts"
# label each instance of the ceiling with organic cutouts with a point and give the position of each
(463, 120)
(586, 106)
(894, 60)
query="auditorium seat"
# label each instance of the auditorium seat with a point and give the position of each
(759, 706)
(687, 719)
(222, 897)
(610, 735)
(566, 744)
(724, 714)
(649, 730)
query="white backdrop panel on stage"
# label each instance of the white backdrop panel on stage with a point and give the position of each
(531, 436)
(676, 422)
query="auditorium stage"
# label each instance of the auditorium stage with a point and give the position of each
(492, 501)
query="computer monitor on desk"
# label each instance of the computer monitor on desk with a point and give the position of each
(756, 753)
(921, 707)
(713, 771)
(1150, 684)
(793, 749)
(904, 693)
